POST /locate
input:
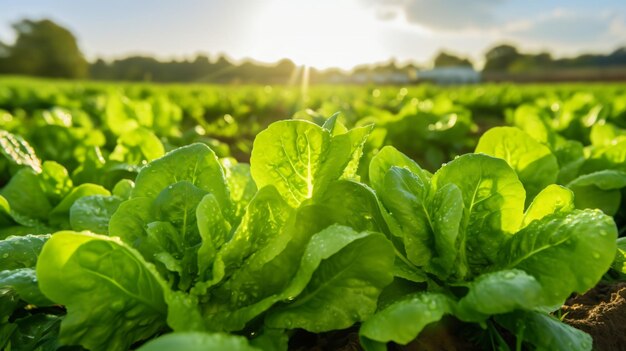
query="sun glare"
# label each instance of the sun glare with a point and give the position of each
(321, 34)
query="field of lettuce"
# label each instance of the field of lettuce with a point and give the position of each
(164, 217)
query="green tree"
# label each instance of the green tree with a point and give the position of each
(444, 59)
(44, 48)
(500, 58)
(4, 53)
(529, 62)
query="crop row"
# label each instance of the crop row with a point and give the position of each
(121, 242)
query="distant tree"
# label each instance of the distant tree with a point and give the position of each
(99, 70)
(385, 68)
(619, 52)
(543, 58)
(363, 69)
(199, 68)
(617, 57)
(4, 53)
(221, 70)
(529, 62)
(501, 58)
(137, 68)
(44, 48)
(444, 59)
(329, 75)
(284, 67)
(222, 63)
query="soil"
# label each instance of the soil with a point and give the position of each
(341, 340)
(442, 336)
(601, 312)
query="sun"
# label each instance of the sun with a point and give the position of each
(321, 34)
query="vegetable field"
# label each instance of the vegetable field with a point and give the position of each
(164, 217)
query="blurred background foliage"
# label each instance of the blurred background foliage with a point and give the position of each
(44, 48)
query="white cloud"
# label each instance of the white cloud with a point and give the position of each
(617, 27)
(566, 27)
(452, 14)
(446, 15)
(554, 26)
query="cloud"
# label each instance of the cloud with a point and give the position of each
(446, 15)
(567, 27)
(452, 14)
(534, 25)
(499, 17)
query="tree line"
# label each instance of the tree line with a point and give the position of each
(44, 48)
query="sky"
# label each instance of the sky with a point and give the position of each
(328, 33)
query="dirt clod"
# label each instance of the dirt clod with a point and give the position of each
(601, 312)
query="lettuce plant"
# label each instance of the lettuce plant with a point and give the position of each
(196, 248)
(38, 197)
(596, 172)
(464, 232)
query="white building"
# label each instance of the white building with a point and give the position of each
(450, 75)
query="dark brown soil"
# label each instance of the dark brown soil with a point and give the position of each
(440, 337)
(443, 336)
(341, 340)
(601, 312)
